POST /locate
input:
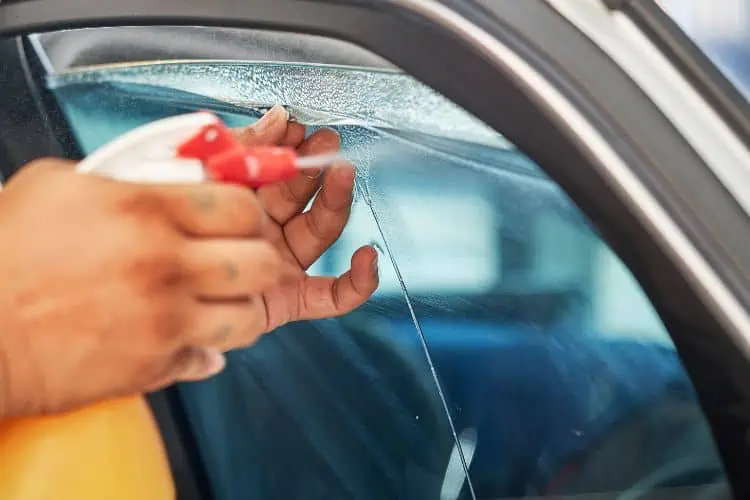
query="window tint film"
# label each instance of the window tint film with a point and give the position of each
(506, 340)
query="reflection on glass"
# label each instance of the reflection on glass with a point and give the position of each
(506, 339)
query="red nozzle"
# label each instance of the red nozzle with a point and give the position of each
(252, 167)
(226, 160)
(210, 140)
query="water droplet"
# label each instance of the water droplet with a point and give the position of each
(378, 247)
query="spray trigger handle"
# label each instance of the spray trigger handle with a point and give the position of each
(224, 159)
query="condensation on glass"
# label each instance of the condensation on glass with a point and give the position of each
(505, 340)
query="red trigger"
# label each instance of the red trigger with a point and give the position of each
(209, 141)
(226, 160)
(253, 167)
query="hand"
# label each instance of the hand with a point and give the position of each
(111, 288)
(301, 237)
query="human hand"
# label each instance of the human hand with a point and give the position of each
(301, 237)
(113, 288)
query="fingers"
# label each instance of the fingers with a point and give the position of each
(284, 200)
(193, 364)
(273, 128)
(217, 328)
(323, 141)
(295, 135)
(189, 364)
(214, 328)
(228, 325)
(324, 297)
(230, 269)
(313, 232)
(209, 210)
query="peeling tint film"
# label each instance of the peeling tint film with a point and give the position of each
(316, 94)
(505, 339)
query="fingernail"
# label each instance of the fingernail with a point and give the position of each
(375, 268)
(313, 173)
(330, 129)
(202, 364)
(277, 112)
(215, 362)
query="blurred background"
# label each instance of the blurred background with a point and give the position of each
(722, 29)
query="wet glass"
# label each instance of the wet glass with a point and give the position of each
(505, 340)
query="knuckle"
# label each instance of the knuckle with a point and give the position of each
(297, 195)
(316, 226)
(246, 329)
(256, 320)
(158, 271)
(241, 197)
(249, 136)
(141, 203)
(166, 324)
(268, 259)
(243, 208)
(267, 256)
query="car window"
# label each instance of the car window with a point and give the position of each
(506, 340)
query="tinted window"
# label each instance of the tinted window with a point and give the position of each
(506, 339)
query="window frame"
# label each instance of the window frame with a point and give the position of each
(491, 42)
(691, 61)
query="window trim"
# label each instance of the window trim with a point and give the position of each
(617, 35)
(691, 61)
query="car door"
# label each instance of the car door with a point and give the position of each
(563, 302)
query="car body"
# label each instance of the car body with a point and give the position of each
(564, 294)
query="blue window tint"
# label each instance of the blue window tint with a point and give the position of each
(506, 339)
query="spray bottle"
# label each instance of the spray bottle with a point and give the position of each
(113, 450)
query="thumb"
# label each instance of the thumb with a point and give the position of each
(270, 129)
